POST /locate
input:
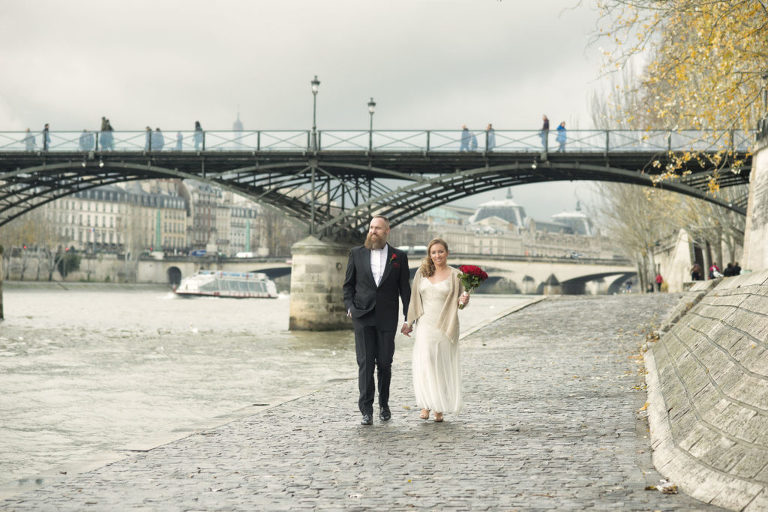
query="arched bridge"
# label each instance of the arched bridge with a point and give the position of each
(333, 180)
(509, 274)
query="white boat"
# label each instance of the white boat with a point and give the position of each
(238, 285)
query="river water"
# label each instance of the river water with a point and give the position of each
(95, 369)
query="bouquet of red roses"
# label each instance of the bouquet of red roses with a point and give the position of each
(471, 277)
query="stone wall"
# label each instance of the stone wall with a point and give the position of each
(756, 230)
(708, 393)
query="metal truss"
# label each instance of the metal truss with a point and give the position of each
(334, 193)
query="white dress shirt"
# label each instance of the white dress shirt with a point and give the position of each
(378, 262)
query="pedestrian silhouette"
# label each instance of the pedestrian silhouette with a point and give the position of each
(158, 141)
(544, 134)
(86, 141)
(46, 138)
(561, 137)
(179, 141)
(107, 138)
(465, 138)
(199, 134)
(29, 141)
(490, 138)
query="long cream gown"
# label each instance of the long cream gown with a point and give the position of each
(436, 376)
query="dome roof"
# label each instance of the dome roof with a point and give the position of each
(577, 220)
(506, 209)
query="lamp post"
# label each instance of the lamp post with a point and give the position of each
(315, 86)
(371, 110)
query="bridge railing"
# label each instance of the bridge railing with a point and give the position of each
(470, 141)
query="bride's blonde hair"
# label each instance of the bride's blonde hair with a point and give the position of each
(427, 268)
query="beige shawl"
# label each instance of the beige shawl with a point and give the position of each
(449, 315)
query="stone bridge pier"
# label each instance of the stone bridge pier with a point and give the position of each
(317, 274)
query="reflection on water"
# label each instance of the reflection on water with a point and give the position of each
(97, 368)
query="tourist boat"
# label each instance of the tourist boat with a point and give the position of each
(238, 285)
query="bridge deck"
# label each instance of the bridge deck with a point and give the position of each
(335, 188)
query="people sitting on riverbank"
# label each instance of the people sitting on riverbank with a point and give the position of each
(696, 274)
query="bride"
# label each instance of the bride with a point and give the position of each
(435, 296)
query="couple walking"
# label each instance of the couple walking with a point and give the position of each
(377, 280)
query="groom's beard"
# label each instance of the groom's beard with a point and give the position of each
(375, 243)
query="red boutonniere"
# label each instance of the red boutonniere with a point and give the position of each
(392, 260)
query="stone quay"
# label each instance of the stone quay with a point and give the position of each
(554, 420)
(708, 393)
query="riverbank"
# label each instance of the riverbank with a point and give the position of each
(93, 372)
(551, 422)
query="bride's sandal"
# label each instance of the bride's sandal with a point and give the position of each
(438, 417)
(424, 414)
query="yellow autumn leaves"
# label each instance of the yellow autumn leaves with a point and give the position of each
(705, 59)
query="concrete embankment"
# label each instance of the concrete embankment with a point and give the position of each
(708, 393)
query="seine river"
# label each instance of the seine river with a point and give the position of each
(92, 370)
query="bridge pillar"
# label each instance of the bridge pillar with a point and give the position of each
(756, 230)
(552, 286)
(317, 276)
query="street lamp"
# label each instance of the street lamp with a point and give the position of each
(315, 86)
(371, 110)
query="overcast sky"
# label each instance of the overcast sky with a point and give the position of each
(429, 64)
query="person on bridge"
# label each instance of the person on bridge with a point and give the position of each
(490, 138)
(158, 141)
(377, 274)
(29, 141)
(561, 137)
(434, 306)
(107, 139)
(544, 134)
(86, 141)
(465, 138)
(179, 141)
(46, 137)
(198, 135)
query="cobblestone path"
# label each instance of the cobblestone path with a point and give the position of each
(551, 422)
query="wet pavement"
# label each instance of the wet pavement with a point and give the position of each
(552, 422)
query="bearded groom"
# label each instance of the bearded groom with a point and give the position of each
(377, 275)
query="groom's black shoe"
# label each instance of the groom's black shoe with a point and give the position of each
(385, 414)
(367, 419)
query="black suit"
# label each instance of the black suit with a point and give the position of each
(374, 311)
